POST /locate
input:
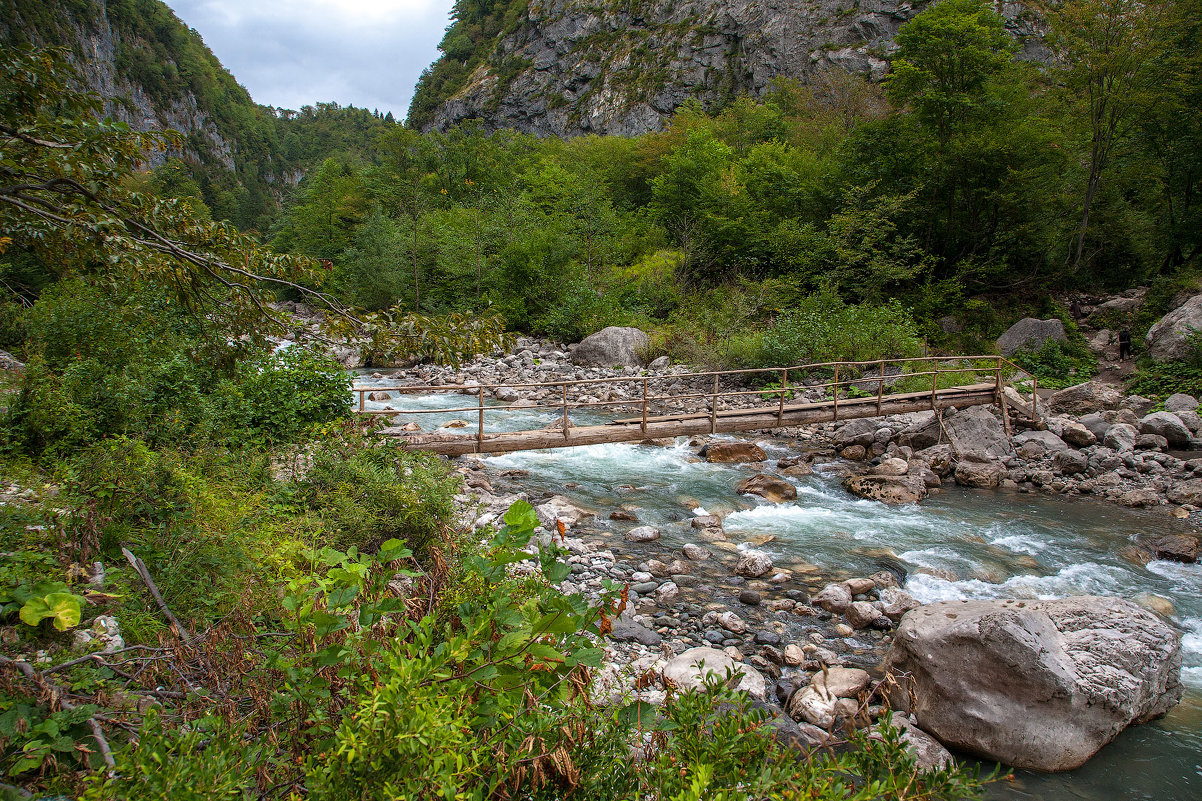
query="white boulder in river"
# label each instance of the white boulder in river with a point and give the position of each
(690, 670)
(1034, 684)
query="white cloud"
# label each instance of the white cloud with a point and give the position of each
(291, 53)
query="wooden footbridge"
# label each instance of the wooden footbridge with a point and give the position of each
(854, 390)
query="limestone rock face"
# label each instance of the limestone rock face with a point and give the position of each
(612, 347)
(1030, 333)
(1169, 338)
(575, 67)
(1035, 684)
(688, 672)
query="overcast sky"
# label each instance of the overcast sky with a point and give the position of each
(292, 53)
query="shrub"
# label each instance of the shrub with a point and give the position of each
(1160, 379)
(822, 328)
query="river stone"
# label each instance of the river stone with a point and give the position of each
(982, 475)
(854, 453)
(562, 509)
(734, 452)
(1167, 425)
(642, 534)
(753, 564)
(666, 594)
(612, 347)
(1047, 439)
(771, 488)
(1070, 463)
(1191, 419)
(1030, 334)
(688, 671)
(794, 656)
(1120, 437)
(976, 430)
(629, 630)
(1169, 338)
(896, 602)
(750, 597)
(1174, 547)
(841, 682)
(861, 431)
(888, 489)
(379, 396)
(659, 363)
(833, 598)
(1184, 492)
(1180, 402)
(732, 623)
(1078, 435)
(1096, 423)
(890, 467)
(1040, 685)
(695, 552)
(925, 749)
(1140, 498)
(706, 521)
(862, 614)
(1151, 442)
(1084, 399)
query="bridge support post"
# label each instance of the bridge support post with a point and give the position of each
(480, 421)
(564, 397)
(880, 388)
(643, 428)
(784, 390)
(714, 407)
(836, 411)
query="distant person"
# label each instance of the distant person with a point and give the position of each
(1124, 345)
(1076, 310)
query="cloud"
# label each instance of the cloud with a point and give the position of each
(366, 53)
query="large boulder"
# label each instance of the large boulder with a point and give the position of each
(1084, 398)
(979, 474)
(1050, 442)
(733, 452)
(1040, 685)
(768, 487)
(612, 347)
(1167, 425)
(1030, 334)
(689, 671)
(1170, 337)
(1175, 403)
(888, 489)
(1120, 437)
(976, 430)
(861, 431)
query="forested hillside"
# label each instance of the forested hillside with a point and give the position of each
(155, 73)
(967, 186)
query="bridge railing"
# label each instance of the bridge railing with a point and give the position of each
(849, 381)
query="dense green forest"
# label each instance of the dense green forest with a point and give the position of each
(967, 187)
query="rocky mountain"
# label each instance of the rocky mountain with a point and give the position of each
(571, 67)
(155, 73)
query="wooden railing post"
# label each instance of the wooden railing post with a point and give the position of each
(1035, 397)
(836, 417)
(564, 388)
(784, 390)
(644, 426)
(934, 384)
(480, 423)
(999, 377)
(714, 407)
(362, 399)
(880, 389)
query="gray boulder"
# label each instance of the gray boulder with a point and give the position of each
(1096, 423)
(1167, 425)
(733, 452)
(1120, 437)
(1030, 334)
(1040, 685)
(689, 671)
(1079, 436)
(888, 489)
(612, 347)
(1069, 462)
(1181, 402)
(857, 432)
(660, 363)
(771, 488)
(982, 475)
(1047, 439)
(1084, 398)
(1170, 337)
(976, 430)
(10, 362)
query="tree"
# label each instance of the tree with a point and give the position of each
(1110, 47)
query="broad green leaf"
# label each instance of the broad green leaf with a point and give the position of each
(521, 517)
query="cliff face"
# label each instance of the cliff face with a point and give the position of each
(107, 40)
(571, 67)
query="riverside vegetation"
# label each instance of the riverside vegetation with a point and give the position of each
(214, 584)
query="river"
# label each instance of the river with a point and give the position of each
(956, 544)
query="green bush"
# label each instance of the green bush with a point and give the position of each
(1057, 365)
(288, 392)
(822, 328)
(1158, 380)
(364, 494)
